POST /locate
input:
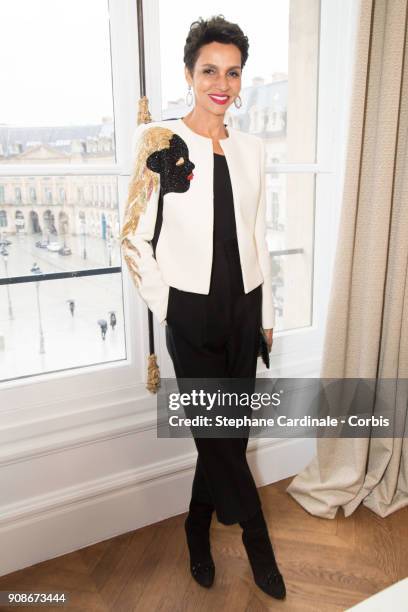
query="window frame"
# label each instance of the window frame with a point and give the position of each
(95, 380)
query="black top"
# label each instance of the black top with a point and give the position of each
(224, 215)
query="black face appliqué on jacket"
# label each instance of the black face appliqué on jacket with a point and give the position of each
(174, 166)
(161, 162)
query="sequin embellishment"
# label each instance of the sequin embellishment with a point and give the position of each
(160, 154)
(174, 166)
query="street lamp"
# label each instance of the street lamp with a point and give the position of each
(83, 232)
(109, 245)
(37, 270)
(5, 254)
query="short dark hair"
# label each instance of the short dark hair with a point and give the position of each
(216, 28)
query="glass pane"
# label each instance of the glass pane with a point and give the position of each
(279, 80)
(50, 326)
(59, 224)
(290, 223)
(57, 105)
(62, 223)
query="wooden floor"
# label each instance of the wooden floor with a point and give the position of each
(327, 564)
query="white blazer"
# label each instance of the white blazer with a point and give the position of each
(167, 231)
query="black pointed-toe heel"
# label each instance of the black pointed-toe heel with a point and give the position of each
(262, 559)
(203, 573)
(197, 528)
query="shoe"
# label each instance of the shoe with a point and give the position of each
(262, 558)
(197, 528)
(203, 573)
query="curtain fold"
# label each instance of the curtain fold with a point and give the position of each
(367, 324)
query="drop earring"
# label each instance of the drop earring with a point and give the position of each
(240, 102)
(189, 97)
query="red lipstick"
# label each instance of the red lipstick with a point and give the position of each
(218, 98)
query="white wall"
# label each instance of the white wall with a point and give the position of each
(67, 488)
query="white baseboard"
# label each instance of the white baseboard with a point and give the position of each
(65, 520)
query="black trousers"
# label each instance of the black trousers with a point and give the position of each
(217, 335)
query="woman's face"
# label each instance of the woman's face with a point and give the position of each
(217, 72)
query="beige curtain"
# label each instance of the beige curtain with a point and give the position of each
(367, 324)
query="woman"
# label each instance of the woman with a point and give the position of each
(194, 241)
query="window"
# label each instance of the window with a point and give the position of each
(33, 195)
(72, 105)
(48, 195)
(17, 195)
(293, 97)
(63, 310)
(289, 99)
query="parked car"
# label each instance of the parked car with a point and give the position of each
(41, 244)
(65, 251)
(54, 246)
(5, 242)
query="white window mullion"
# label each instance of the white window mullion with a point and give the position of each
(151, 16)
